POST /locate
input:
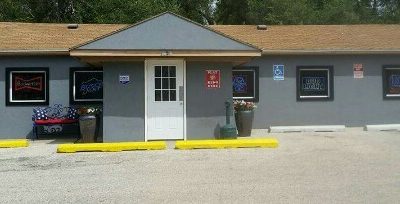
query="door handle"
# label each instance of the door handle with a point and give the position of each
(181, 93)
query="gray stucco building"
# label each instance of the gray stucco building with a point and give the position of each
(168, 78)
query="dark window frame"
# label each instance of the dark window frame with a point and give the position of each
(256, 82)
(72, 100)
(384, 82)
(330, 83)
(9, 70)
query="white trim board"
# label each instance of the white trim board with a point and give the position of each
(184, 102)
(383, 127)
(315, 128)
(145, 100)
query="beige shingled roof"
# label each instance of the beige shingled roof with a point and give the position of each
(27, 37)
(318, 37)
(43, 36)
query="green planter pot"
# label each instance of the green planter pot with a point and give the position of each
(244, 122)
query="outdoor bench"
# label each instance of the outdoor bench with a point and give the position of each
(52, 116)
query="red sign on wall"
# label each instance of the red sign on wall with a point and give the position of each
(213, 79)
(358, 71)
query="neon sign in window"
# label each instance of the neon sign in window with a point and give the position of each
(245, 83)
(27, 86)
(314, 83)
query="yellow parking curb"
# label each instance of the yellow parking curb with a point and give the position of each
(14, 143)
(111, 147)
(220, 144)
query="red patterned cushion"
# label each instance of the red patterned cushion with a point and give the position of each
(55, 121)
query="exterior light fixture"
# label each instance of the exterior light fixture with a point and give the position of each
(166, 53)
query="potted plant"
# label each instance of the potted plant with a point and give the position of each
(88, 123)
(244, 116)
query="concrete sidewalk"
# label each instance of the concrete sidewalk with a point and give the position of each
(343, 167)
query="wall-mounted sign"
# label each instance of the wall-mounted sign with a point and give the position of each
(124, 79)
(27, 86)
(358, 71)
(279, 72)
(86, 85)
(213, 79)
(245, 83)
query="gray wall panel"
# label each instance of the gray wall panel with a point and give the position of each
(205, 109)
(167, 32)
(15, 121)
(123, 104)
(356, 101)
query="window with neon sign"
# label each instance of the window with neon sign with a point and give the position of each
(86, 85)
(27, 86)
(315, 83)
(391, 82)
(245, 83)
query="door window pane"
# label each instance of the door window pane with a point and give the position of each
(158, 83)
(157, 95)
(172, 71)
(157, 71)
(165, 83)
(165, 95)
(165, 71)
(172, 95)
(172, 83)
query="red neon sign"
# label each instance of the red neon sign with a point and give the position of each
(29, 84)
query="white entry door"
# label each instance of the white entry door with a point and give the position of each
(165, 99)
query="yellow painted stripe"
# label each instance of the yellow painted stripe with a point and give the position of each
(111, 147)
(14, 143)
(219, 144)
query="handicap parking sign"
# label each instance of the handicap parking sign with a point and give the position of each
(279, 72)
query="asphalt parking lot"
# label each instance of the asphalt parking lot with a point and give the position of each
(343, 167)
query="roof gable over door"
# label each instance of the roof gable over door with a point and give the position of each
(167, 32)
